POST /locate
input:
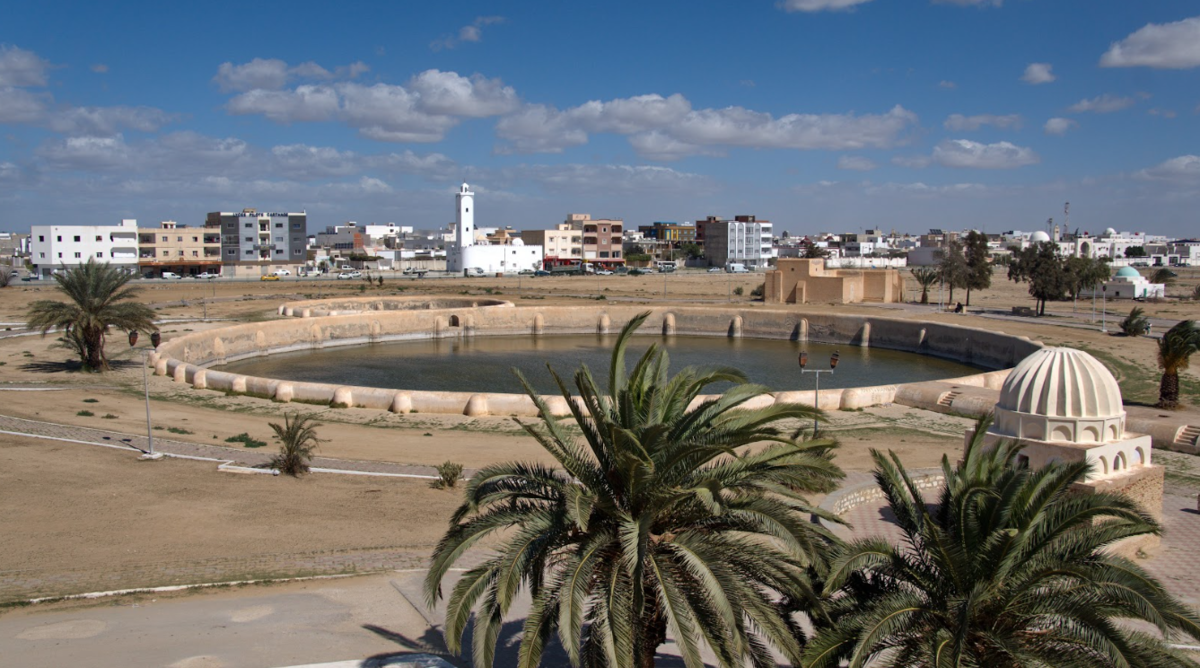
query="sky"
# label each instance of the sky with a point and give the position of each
(818, 115)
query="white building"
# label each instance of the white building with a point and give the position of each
(54, 247)
(1130, 284)
(466, 253)
(743, 240)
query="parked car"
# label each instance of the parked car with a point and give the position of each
(347, 275)
(541, 272)
(714, 270)
(170, 275)
(282, 272)
(525, 272)
(604, 272)
(475, 271)
(206, 275)
(269, 277)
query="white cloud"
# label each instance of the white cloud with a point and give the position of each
(274, 74)
(818, 5)
(970, 3)
(19, 67)
(1185, 168)
(924, 190)
(963, 153)
(1059, 126)
(1038, 73)
(959, 123)
(947, 84)
(107, 120)
(1104, 104)
(668, 126)
(656, 145)
(93, 153)
(21, 106)
(472, 32)
(430, 105)
(1164, 113)
(1160, 45)
(99, 68)
(589, 179)
(856, 163)
(912, 161)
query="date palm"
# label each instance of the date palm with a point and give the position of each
(297, 443)
(659, 520)
(100, 300)
(1009, 570)
(925, 277)
(1175, 350)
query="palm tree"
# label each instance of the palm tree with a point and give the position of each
(99, 300)
(298, 440)
(925, 277)
(1136, 323)
(1008, 570)
(658, 521)
(1175, 350)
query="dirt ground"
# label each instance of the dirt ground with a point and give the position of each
(72, 508)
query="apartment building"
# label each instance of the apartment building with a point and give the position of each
(178, 249)
(562, 245)
(743, 240)
(603, 238)
(255, 244)
(55, 247)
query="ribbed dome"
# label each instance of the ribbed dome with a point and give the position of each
(1128, 272)
(1061, 382)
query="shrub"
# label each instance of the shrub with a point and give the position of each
(739, 291)
(298, 441)
(759, 291)
(448, 475)
(6, 275)
(179, 430)
(1136, 323)
(108, 416)
(246, 440)
(90, 401)
(85, 414)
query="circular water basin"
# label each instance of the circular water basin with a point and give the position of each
(486, 363)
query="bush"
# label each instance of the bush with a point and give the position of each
(108, 416)
(6, 275)
(1136, 323)
(759, 291)
(448, 475)
(298, 441)
(246, 440)
(739, 291)
(85, 414)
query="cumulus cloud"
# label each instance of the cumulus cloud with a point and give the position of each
(589, 179)
(473, 32)
(1038, 73)
(947, 84)
(1059, 126)
(959, 123)
(912, 161)
(964, 153)
(19, 67)
(1185, 169)
(425, 109)
(670, 127)
(970, 3)
(21, 106)
(1159, 45)
(1164, 113)
(856, 163)
(818, 5)
(274, 74)
(1104, 104)
(108, 120)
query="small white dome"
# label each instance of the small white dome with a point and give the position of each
(1061, 382)
(1110, 232)
(1039, 236)
(518, 241)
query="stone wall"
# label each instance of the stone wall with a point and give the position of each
(188, 358)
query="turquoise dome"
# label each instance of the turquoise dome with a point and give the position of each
(1128, 272)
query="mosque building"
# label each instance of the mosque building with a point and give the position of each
(468, 255)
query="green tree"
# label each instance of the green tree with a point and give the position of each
(1085, 273)
(100, 300)
(1175, 350)
(952, 266)
(1135, 251)
(1009, 569)
(814, 252)
(926, 277)
(692, 250)
(1044, 269)
(978, 263)
(659, 519)
(297, 443)
(1164, 276)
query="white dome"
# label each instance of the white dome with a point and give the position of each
(1039, 236)
(1110, 232)
(517, 242)
(1061, 394)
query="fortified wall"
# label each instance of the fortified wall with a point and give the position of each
(807, 281)
(188, 358)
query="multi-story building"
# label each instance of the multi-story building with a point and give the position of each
(179, 249)
(562, 245)
(255, 244)
(55, 247)
(743, 240)
(672, 233)
(602, 238)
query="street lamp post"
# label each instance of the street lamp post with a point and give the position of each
(833, 362)
(1104, 309)
(155, 339)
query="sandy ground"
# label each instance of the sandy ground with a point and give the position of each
(74, 508)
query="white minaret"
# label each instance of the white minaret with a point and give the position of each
(465, 218)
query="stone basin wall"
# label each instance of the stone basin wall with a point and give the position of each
(187, 358)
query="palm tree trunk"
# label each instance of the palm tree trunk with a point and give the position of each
(652, 635)
(924, 295)
(94, 340)
(1168, 390)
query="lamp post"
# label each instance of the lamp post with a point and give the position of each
(1104, 309)
(833, 362)
(155, 339)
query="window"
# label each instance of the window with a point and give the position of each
(250, 239)
(278, 238)
(231, 252)
(166, 253)
(99, 238)
(42, 239)
(296, 252)
(195, 253)
(79, 255)
(99, 253)
(60, 256)
(42, 256)
(181, 239)
(77, 238)
(249, 225)
(60, 238)
(249, 252)
(195, 239)
(616, 253)
(165, 239)
(180, 253)
(295, 226)
(279, 252)
(279, 226)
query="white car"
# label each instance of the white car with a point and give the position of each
(603, 272)
(282, 272)
(714, 270)
(207, 275)
(347, 275)
(170, 275)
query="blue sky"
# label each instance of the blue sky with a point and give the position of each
(815, 114)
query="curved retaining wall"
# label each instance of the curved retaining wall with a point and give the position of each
(316, 308)
(187, 358)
